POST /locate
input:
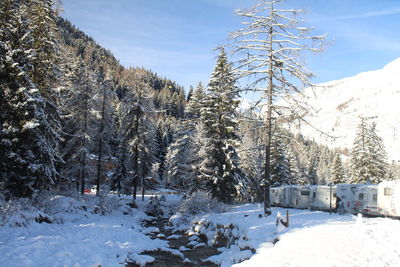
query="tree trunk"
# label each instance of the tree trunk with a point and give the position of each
(100, 155)
(84, 157)
(267, 174)
(142, 188)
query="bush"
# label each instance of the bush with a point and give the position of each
(201, 202)
(154, 207)
(106, 205)
(62, 204)
(21, 212)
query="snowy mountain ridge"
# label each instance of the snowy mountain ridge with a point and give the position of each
(338, 105)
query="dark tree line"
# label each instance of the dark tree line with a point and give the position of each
(66, 104)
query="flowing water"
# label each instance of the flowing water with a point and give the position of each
(166, 259)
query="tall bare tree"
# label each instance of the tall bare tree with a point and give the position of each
(270, 49)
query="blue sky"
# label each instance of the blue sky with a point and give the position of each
(177, 38)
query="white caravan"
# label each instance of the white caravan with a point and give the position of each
(297, 196)
(276, 196)
(347, 195)
(389, 198)
(322, 197)
(366, 201)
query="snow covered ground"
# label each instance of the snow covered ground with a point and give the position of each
(83, 239)
(313, 239)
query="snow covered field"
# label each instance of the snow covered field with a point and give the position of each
(313, 239)
(84, 239)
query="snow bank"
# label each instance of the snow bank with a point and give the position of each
(343, 243)
(89, 232)
(313, 239)
(20, 212)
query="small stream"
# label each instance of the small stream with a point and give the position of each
(194, 257)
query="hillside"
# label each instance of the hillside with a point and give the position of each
(338, 105)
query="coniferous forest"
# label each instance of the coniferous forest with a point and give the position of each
(103, 164)
(73, 117)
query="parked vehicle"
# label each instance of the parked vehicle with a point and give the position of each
(389, 198)
(276, 195)
(297, 196)
(347, 195)
(376, 200)
(367, 199)
(322, 197)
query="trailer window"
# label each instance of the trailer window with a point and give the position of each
(387, 191)
(361, 196)
(305, 193)
(314, 194)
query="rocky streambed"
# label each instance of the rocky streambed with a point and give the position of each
(196, 246)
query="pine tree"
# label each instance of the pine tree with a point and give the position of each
(379, 170)
(181, 157)
(45, 44)
(104, 96)
(279, 161)
(324, 170)
(195, 103)
(251, 154)
(30, 126)
(190, 93)
(337, 170)
(164, 137)
(137, 132)
(368, 159)
(79, 107)
(313, 162)
(294, 166)
(219, 170)
(272, 42)
(359, 158)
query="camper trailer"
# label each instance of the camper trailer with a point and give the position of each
(347, 194)
(297, 196)
(322, 197)
(276, 195)
(366, 201)
(389, 198)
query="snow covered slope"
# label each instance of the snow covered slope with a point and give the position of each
(338, 106)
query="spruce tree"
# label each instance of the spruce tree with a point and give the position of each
(137, 132)
(324, 169)
(79, 108)
(251, 154)
(313, 162)
(368, 159)
(195, 103)
(337, 170)
(279, 161)
(360, 159)
(294, 165)
(181, 157)
(30, 126)
(379, 170)
(271, 44)
(105, 124)
(219, 171)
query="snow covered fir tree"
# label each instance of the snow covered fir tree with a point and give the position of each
(368, 159)
(218, 171)
(107, 164)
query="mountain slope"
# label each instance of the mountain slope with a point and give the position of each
(338, 105)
